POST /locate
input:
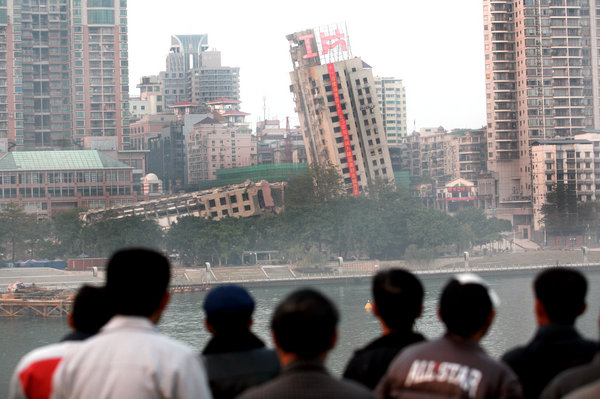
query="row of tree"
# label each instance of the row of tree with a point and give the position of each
(563, 213)
(320, 221)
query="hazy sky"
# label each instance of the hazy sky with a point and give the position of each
(435, 47)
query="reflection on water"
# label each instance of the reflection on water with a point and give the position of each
(184, 319)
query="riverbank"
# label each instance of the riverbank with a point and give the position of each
(282, 275)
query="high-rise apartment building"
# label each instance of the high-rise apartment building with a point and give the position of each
(337, 105)
(391, 97)
(195, 74)
(542, 81)
(64, 72)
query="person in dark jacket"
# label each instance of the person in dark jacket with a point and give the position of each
(235, 358)
(454, 366)
(304, 328)
(397, 303)
(559, 301)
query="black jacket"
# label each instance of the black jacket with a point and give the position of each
(552, 350)
(370, 363)
(236, 362)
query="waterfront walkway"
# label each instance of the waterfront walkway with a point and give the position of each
(285, 274)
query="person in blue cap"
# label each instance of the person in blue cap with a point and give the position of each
(235, 358)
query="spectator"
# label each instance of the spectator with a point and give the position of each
(572, 379)
(32, 377)
(304, 328)
(235, 358)
(397, 302)
(454, 366)
(590, 391)
(556, 346)
(129, 358)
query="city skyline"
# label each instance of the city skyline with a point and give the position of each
(444, 82)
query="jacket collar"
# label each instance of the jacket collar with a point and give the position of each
(237, 341)
(553, 331)
(120, 322)
(300, 365)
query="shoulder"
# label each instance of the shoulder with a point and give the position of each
(514, 355)
(591, 391)
(300, 385)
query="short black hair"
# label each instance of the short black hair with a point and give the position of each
(465, 308)
(90, 310)
(305, 323)
(136, 281)
(398, 295)
(562, 291)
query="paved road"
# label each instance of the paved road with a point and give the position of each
(47, 277)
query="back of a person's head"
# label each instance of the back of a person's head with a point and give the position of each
(398, 295)
(562, 292)
(90, 309)
(465, 305)
(305, 324)
(136, 281)
(228, 308)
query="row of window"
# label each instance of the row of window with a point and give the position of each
(64, 177)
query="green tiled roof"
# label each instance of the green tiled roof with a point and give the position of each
(58, 160)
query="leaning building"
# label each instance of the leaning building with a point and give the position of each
(337, 105)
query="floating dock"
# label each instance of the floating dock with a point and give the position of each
(26, 307)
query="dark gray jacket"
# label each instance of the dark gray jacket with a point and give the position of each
(449, 367)
(572, 379)
(230, 374)
(303, 379)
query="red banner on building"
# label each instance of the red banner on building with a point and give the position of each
(344, 128)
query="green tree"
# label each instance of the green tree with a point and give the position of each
(319, 184)
(111, 234)
(480, 229)
(16, 228)
(560, 209)
(68, 228)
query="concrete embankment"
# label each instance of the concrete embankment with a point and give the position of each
(290, 275)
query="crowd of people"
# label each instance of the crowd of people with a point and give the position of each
(116, 351)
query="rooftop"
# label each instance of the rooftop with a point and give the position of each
(223, 101)
(58, 160)
(560, 141)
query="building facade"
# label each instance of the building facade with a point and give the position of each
(574, 163)
(44, 182)
(542, 81)
(277, 144)
(391, 97)
(336, 101)
(215, 145)
(195, 74)
(64, 72)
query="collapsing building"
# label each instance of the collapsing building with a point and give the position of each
(338, 108)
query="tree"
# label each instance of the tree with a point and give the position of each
(68, 228)
(111, 234)
(16, 226)
(321, 183)
(480, 229)
(560, 209)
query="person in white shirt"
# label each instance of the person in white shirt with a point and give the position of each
(129, 358)
(32, 378)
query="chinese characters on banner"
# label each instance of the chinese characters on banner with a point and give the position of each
(327, 43)
(344, 128)
(462, 188)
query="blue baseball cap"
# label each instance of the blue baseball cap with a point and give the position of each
(229, 299)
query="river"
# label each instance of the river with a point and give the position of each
(183, 320)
